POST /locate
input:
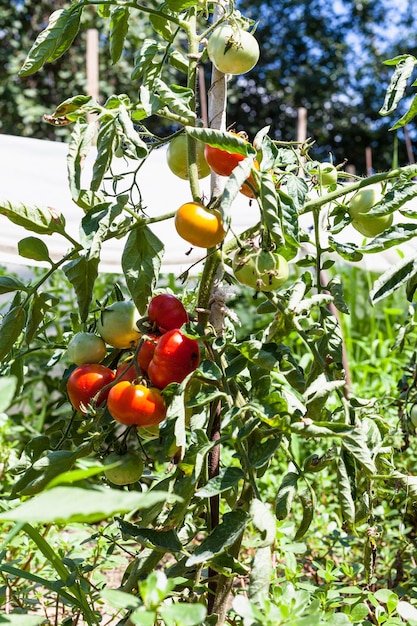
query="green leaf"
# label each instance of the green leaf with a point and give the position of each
(34, 248)
(146, 65)
(105, 138)
(270, 207)
(403, 70)
(392, 279)
(120, 599)
(177, 98)
(39, 220)
(8, 284)
(223, 140)
(285, 495)
(189, 614)
(162, 540)
(222, 537)
(8, 386)
(141, 262)
(119, 26)
(348, 251)
(11, 326)
(52, 42)
(264, 521)
(227, 478)
(345, 478)
(82, 137)
(41, 303)
(261, 575)
(82, 273)
(407, 117)
(391, 237)
(64, 505)
(336, 289)
(308, 502)
(131, 134)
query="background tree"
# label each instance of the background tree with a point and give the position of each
(327, 57)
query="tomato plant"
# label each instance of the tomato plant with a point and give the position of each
(199, 226)
(177, 158)
(360, 204)
(263, 270)
(232, 49)
(175, 356)
(135, 404)
(167, 311)
(85, 383)
(86, 347)
(117, 324)
(128, 467)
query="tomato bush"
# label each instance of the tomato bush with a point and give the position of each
(199, 226)
(135, 404)
(254, 428)
(85, 384)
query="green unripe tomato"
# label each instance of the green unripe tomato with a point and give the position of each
(360, 204)
(232, 50)
(326, 174)
(129, 469)
(86, 348)
(263, 270)
(177, 158)
(117, 324)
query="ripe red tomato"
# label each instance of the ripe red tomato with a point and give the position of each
(176, 356)
(222, 162)
(147, 350)
(85, 383)
(232, 49)
(167, 312)
(199, 226)
(136, 405)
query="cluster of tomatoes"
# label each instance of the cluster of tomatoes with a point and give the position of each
(149, 362)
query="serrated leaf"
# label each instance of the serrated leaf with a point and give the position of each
(270, 207)
(34, 248)
(36, 219)
(390, 237)
(119, 26)
(222, 536)
(392, 279)
(64, 505)
(260, 575)
(41, 303)
(131, 134)
(403, 70)
(54, 40)
(11, 326)
(141, 263)
(336, 289)
(227, 478)
(82, 273)
(344, 482)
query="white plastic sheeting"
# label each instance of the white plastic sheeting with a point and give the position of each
(34, 172)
